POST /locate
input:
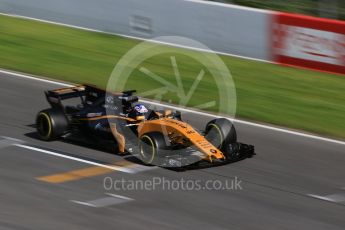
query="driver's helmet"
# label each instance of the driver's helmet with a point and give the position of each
(139, 112)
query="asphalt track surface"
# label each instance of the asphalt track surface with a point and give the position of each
(277, 183)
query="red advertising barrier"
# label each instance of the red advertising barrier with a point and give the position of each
(309, 42)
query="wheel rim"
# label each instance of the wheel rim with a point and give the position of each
(44, 125)
(214, 135)
(147, 149)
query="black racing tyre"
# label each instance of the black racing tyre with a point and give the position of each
(51, 124)
(220, 132)
(150, 146)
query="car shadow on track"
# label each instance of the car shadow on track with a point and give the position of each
(109, 148)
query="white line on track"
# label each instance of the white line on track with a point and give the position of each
(134, 37)
(12, 139)
(321, 197)
(9, 141)
(36, 78)
(337, 198)
(27, 76)
(119, 196)
(112, 167)
(83, 203)
(6, 143)
(111, 199)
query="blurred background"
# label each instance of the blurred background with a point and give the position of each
(258, 47)
(334, 9)
(289, 75)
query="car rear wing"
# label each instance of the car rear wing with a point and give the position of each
(55, 97)
(88, 94)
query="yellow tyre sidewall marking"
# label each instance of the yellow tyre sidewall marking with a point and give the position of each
(153, 148)
(49, 124)
(220, 134)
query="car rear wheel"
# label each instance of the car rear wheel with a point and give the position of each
(150, 146)
(51, 124)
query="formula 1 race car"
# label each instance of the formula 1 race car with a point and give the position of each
(157, 137)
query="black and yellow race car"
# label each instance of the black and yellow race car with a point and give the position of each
(156, 137)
